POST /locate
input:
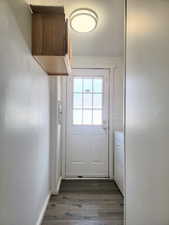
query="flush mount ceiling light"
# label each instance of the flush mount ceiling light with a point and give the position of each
(83, 20)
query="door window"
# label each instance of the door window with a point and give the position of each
(87, 101)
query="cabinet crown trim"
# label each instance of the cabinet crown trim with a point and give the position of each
(47, 9)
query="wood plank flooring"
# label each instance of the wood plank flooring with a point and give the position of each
(86, 202)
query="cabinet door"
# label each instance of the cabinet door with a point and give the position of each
(54, 32)
(48, 34)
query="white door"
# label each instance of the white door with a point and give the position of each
(87, 123)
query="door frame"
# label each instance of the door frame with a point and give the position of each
(111, 64)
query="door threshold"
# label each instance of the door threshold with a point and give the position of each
(87, 178)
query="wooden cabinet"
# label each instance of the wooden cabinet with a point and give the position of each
(119, 160)
(50, 41)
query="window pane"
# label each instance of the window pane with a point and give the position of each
(97, 85)
(87, 85)
(87, 101)
(77, 101)
(77, 117)
(87, 117)
(97, 101)
(97, 117)
(77, 87)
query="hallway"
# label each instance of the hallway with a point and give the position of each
(86, 202)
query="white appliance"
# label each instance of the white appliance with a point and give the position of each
(119, 160)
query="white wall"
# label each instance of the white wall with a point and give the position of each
(24, 120)
(147, 113)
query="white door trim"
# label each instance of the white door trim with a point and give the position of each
(93, 63)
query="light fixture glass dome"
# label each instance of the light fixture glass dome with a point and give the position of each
(83, 20)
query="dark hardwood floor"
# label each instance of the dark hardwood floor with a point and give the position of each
(86, 202)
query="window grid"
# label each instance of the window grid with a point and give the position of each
(83, 108)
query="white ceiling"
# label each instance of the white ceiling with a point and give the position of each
(108, 39)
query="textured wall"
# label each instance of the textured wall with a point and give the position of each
(147, 119)
(24, 120)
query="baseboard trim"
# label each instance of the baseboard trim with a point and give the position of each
(56, 192)
(43, 210)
